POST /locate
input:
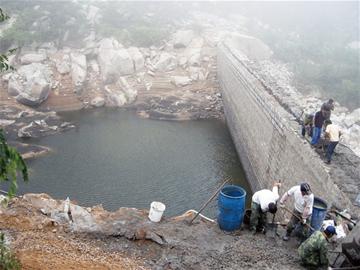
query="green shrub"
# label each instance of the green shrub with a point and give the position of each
(8, 261)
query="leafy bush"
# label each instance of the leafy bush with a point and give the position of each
(8, 261)
(10, 163)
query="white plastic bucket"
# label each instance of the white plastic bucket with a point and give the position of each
(156, 211)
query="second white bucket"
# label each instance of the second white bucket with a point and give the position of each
(156, 211)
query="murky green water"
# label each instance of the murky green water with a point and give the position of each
(116, 159)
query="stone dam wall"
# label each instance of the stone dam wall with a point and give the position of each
(266, 136)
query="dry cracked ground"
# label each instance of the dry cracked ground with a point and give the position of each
(126, 239)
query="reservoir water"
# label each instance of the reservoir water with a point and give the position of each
(117, 159)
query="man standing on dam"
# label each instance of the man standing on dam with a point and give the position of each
(303, 204)
(318, 124)
(263, 201)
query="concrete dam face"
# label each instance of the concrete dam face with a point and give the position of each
(266, 136)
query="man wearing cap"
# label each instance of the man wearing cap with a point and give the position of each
(263, 201)
(303, 204)
(313, 251)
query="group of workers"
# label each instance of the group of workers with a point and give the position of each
(313, 125)
(313, 250)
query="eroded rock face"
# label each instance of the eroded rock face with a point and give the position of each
(137, 57)
(114, 60)
(33, 84)
(166, 62)
(78, 68)
(114, 98)
(129, 92)
(63, 63)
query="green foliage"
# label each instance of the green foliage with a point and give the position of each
(47, 23)
(11, 163)
(8, 261)
(3, 16)
(4, 61)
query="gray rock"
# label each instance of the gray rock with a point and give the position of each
(14, 87)
(115, 98)
(352, 118)
(63, 64)
(5, 122)
(137, 57)
(23, 133)
(166, 62)
(32, 58)
(98, 102)
(114, 61)
(78, 68)
(35, 80)
(180, 81)
(129, 92)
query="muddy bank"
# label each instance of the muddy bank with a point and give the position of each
(44, 236)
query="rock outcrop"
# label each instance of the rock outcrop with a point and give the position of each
(114, 60)
(78, 68)
(31, 84)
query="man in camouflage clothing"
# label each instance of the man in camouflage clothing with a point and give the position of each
(313, 252)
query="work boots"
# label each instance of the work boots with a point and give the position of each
(286, 236)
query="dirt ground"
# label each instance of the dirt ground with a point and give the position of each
(40, 243)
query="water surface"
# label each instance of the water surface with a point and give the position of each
(116, 159)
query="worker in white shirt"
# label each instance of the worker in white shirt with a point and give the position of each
(263, 201)
(303, 205)
(332, 134)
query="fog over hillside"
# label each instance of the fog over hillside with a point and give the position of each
(319, 40)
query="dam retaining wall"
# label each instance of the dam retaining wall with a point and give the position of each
(266, 136)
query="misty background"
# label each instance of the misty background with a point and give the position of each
(318, 40)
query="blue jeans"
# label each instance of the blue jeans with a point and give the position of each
(330, 150)
(316, 135)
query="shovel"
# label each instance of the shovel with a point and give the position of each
(210, 199)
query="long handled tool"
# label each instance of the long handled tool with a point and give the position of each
(341, 215)
(273, 225)
(208, 201)
(299, 218)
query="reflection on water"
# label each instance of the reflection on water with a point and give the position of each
(116, 159)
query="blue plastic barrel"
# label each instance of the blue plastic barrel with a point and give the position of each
(231, 204)
(318, 213)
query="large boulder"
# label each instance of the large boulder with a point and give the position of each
(32, 58)
(129, 92)
(14, 86)
(97, 102)
(63, 63)
(180, 81)
(182, 38)
(114, 60)
(78, 68)
(352, 118)
(166, 62)
(35, 80)
(114, 98)
(138, 58)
